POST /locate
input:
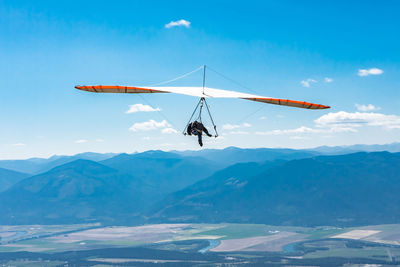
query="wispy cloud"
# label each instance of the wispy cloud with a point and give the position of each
(141, 108)
(239, 132)
(307, 130)
(169, 131)
(340, 122)
(371, 71)
(368, 107)
(358, 119)
(296, 137)
(328, 80)
(149, 125)
(18, 144)
(302, 129)
(307, 83)
(99, 140)
(178, 23)
(166, 144)
(235, 126)
(81, 141)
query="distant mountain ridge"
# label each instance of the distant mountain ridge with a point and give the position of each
(273, 186)
(40, 165)
(81, 190)
(352, 189)
(112, 191)
(165, 171)
(233, 155)
(9, 178)
(224, 157)
(393, 148)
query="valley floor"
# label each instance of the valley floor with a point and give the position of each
(198, 244)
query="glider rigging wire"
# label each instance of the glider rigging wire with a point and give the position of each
(179, 77)
(169, 81)
(241, 85)
(200, 92)
(204, 77)
(231, 80)
(199, 108)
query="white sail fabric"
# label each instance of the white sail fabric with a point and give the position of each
(200, 92)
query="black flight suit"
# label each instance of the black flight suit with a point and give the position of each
(197, 128)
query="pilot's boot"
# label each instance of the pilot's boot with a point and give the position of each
(200, 140)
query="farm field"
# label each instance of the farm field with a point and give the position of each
(209, 242)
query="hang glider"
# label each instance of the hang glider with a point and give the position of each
(202, 92)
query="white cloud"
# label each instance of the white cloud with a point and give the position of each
(18, 144)
(307, 83)
(218, 140)
(341, 122)
(178, 23)
(235, 126)
(239, 132)
(371, 71)
(263, 118)
(357, 119)
(149, 125)
(305, 130)
(141, 108)
(99, 140)
(166, 144)
(328, 80)
(368, 107)
(296, 137)
(302, 129)
(80, 141)
(169, 131)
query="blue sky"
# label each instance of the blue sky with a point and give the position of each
(341, 53)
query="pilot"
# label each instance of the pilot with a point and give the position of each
(197, 128)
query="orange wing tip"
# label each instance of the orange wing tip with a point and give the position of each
(324, 107)
(116, 89)
(290, 103)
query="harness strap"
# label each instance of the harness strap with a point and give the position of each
(184, 130)
(200, 108)
(209, 113)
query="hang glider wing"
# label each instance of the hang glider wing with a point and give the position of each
(199, 92)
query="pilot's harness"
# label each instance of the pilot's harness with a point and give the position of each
(199, 109)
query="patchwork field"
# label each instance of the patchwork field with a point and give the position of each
(236, 241)
(273, 242)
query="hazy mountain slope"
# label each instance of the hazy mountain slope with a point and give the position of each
(233, 155)
(39, 165)
(8, 178)
(85, 190)
(164, 171)
(78, 191)
(352, 189)
(335, 150)
(361, 188)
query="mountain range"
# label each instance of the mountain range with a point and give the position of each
(359, 188)
(272, 186)
(40, 165)
(9, 178)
